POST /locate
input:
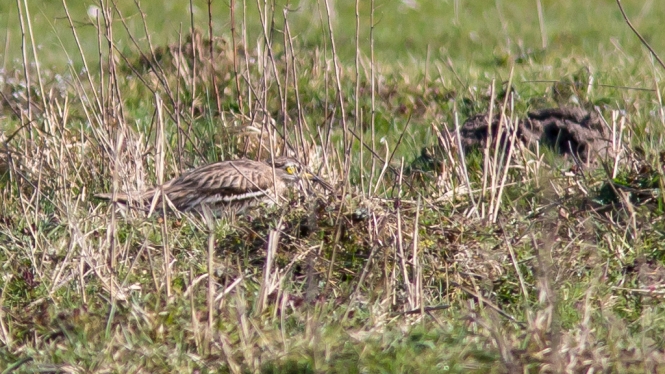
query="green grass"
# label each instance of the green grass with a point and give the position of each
(568, 275)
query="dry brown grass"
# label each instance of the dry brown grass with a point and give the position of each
(507, 258)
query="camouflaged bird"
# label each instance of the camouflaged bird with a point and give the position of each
(226, 185)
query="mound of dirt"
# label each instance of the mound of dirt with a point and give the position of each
(568, 130)
(572, 131)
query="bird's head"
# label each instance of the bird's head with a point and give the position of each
(287, 168)
(291, 171)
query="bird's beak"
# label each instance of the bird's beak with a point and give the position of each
(317, 179)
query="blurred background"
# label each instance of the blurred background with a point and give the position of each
(482, 34)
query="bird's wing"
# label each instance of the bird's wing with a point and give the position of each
(224, 181)
(230, 177)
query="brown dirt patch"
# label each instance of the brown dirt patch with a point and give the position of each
(570, 131)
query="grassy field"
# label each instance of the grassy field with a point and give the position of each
(426, 259)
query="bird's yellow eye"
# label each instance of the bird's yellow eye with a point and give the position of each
(291, 170)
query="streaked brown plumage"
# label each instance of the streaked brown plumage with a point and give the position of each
(226, 185)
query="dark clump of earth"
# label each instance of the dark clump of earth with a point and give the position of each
(570, 131)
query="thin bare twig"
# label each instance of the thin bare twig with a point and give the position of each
(212, 60)
(625, 17)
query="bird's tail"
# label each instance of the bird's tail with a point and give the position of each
(124, 198)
